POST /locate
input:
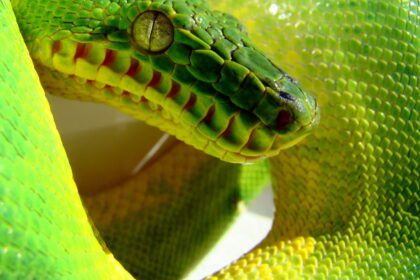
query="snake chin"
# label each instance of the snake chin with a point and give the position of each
(261, 142)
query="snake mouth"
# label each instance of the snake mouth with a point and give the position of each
(89, 72)
(155, 115)
(132, 84)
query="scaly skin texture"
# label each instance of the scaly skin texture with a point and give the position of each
(39, 204)
(164, 220)
(208, 85)
(347, 199)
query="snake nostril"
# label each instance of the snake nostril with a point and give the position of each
(283, 119)
(286, 96)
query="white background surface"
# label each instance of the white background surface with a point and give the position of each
(106, 145)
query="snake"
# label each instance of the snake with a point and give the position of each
(338, 137)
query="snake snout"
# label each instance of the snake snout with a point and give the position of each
(289, 111)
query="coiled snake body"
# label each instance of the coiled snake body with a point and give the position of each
(347, 196)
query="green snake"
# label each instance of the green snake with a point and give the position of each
(346, 196)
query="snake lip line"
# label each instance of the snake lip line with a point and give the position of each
(135, 101)
(118, 73)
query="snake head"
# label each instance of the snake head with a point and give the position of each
(177, 65)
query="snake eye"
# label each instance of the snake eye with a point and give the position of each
(152, 32)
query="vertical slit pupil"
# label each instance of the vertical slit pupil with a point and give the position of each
(152, 32)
